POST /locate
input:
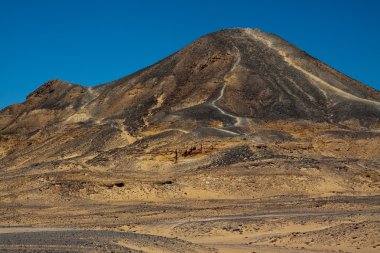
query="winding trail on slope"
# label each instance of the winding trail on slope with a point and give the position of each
(237, 119)
(213, 104)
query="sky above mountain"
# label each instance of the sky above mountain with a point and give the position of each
(93, 42)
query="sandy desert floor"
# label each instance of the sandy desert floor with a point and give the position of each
(332, 224)
(315, 192)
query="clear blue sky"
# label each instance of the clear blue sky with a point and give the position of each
(90, 42)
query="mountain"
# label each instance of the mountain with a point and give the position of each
(230, 76)
(221, 85)
(238, 116)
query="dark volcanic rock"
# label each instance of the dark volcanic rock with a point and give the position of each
(234, 155)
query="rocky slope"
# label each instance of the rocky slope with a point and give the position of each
(229, 76)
